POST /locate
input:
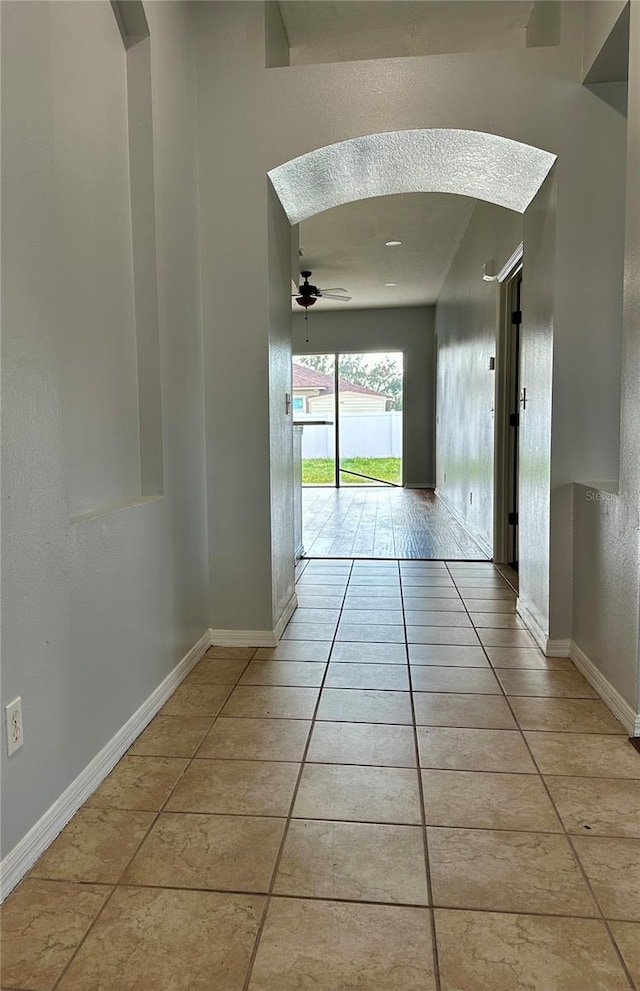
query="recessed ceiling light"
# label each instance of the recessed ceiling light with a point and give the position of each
(392, 244)
(391, 283)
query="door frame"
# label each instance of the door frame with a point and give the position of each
(504, 452)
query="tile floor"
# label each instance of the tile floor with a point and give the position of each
(404, 795)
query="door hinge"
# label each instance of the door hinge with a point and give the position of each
(516, 317)
(513, 519)
(514, 419)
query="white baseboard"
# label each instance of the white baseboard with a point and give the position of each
(243, 638)
(287, 613)
(255, 638)
(531, 622)
(18, 861)
(558, 648)
(459, 518)
(549, 646)
(609, 695)
(568, 648)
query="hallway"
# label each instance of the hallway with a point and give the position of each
(383, 522)
(270, 829)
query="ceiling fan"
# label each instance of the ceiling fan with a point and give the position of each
(307, 294)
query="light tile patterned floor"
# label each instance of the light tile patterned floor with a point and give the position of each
(378, 804)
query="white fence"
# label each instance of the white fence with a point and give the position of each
(363, 435)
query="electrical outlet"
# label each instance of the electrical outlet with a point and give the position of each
(13, 723)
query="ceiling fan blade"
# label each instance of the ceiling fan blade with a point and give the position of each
(328, 295)
(333, 289)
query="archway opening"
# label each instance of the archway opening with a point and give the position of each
(472, 164)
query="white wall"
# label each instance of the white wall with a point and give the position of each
(408, 329)
(466, 327)
(94, 614)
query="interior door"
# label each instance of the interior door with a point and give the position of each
(514, 419)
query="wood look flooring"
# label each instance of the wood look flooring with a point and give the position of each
(383, 522)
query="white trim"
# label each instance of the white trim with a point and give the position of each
(540, 636)
(609, 695)
(509, 266)
(569, 648)
(558, 648)
(243, 638)
(287, 613)
(548, 646)
(24, 854)
(459, 518)
(115, 507)
(502, 398)
(255, 638)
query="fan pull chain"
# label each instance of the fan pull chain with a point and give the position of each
(306, 321)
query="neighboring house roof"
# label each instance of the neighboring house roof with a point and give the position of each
(309, 378)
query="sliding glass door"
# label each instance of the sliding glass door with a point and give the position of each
(351, 407)
(369, 417)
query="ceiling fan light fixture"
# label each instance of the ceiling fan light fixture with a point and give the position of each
(307, 293)
(306, 301)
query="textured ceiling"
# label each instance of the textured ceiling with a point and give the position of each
(322, 31)
(345, 247)
(423, 160)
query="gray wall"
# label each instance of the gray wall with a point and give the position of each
(530, 95)
(408, 329)
(243, 265)
(605, 553)
(281, 433)
(538, 301)
(466, 327)
(95, 613)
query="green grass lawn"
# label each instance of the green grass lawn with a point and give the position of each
(319, 471)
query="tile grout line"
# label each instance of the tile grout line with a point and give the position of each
(375, 822)
(423, 815)
(156, 816)
(568, 837)
(347, 901)
(285, 832)
(304, 762)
